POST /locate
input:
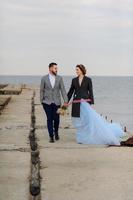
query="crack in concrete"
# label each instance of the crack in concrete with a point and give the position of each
(21, 149)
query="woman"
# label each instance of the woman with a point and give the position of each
(91, 128)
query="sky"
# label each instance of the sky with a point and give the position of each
(96, 33)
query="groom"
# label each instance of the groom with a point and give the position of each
(50, 88)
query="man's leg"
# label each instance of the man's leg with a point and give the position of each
(56, 121)
(49, 113)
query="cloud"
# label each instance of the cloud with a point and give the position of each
(67, 31)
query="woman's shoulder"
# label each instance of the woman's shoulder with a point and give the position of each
(74, 79)
(88, 78)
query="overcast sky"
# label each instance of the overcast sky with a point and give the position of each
(96, 33)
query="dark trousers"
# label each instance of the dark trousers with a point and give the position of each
(53, 119)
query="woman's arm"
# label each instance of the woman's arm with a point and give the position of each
(71, 91)
(90, 88)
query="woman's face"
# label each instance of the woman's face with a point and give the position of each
(78, 71)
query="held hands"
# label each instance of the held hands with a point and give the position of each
(65, 104)
(63, 110)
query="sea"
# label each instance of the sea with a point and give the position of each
(113, 95)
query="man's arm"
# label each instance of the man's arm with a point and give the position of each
(63, 91)
(42, 86)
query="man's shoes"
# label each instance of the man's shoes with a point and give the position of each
(57, 137)
(51, 140)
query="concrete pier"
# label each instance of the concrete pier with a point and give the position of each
(14, 148)
(68, 171)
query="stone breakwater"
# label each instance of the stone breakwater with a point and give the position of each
(3, 102)
(11, 89)
(35, 179)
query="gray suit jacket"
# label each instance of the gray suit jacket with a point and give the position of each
(48, 94)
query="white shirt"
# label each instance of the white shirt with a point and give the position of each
(52, 80)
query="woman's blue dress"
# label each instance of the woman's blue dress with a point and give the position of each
(92, 128)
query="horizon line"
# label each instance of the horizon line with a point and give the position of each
(64, 75)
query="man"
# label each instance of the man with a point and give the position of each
(50, 88)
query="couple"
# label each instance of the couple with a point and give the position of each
(91, 128)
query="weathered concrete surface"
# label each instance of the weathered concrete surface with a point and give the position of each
(82, 172)
(14, 148)
(69, 171)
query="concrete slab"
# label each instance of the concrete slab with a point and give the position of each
(83, 172)
(14, 148)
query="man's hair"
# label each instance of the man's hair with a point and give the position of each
(52, 64)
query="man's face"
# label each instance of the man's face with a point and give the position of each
(54, 70)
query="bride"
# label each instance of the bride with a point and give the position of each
(91, 128)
